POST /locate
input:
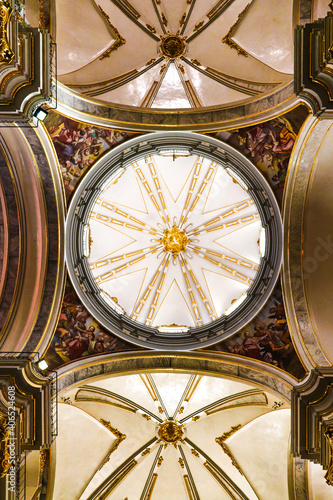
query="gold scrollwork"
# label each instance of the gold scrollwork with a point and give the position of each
(198, 26)
(171, 433)
(119, 39)
(44, 457)
(329, 474)
(6, 53)
(151, 28)
(42, 15)
(228, 38)
(119, 435)
(182, 19)
(151, 61)
(4, 453)
(221, 441)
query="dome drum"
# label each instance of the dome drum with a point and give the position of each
(105, 307)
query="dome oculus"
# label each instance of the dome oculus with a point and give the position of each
(174, 241)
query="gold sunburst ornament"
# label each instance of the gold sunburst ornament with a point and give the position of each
(173, 46)
(171, 433)
(174, 240)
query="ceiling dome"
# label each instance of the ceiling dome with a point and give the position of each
(175, 53)
(163, 436)
(173, 241)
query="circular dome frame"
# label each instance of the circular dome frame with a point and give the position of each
(78, 267)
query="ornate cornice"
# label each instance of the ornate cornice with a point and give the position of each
(25, 63)
(312, 419)
(313, 64)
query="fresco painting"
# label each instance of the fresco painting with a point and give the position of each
(269, 145)
(78, 145)
(78, 334)
(266, 338)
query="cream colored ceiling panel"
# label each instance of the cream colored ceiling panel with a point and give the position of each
(208, 49)
(274, 47)
(74, 48)
(171, 92)
(32, 472)
(267, 467)
(206, 484)
(318, 489)
(204, 432)
(171, 388)
(76, 426)
(146, 10)
(169, 474)
(137, 432)
(200, 9)
(134, 91)
(209, 389)
(133, 485)
(132, 388)
(173, 11)
(135, 53)
(209, 91)
(136, 428)
(320, 8)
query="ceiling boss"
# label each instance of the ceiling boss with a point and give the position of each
(173, 46)
(174, 241)
(171, 433)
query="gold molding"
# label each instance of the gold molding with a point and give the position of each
(6, 52)
(151, 487)
(148, 385)
(170, 433)
(120, 437)
(329, 437)
(44, 460)
(119, 39)
(4, 453)
(228, 37)
(221, 441)
(188, 487)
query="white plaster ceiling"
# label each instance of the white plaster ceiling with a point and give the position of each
(133, 267)
(318, 488)
(264, 63)
(320, 9)
(254, 468)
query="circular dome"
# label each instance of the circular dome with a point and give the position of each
(173, 241)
